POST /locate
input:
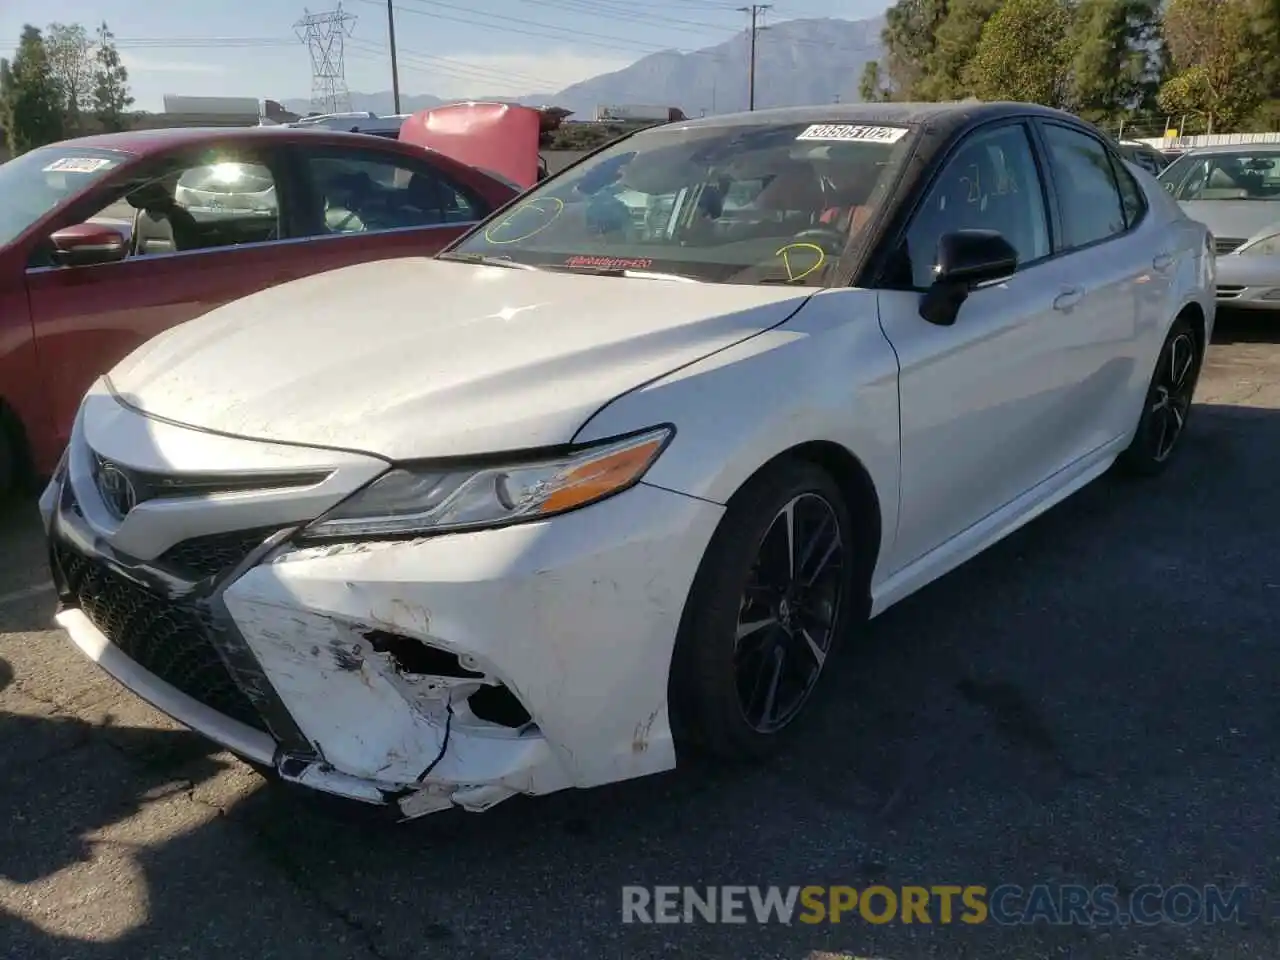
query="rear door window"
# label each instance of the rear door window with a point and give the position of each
(358, 192)
(1092, 210)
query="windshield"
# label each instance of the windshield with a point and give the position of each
(1224, 176)
(758, 203)
(33, 184)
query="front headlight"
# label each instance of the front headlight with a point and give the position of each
(407, 501)
(1268, 246)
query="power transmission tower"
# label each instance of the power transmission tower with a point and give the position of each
(755, 10)
(325, 35)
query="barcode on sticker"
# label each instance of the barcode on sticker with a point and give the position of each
(77, 165)
(850, 131)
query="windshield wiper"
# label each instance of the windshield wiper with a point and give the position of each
(486, 260)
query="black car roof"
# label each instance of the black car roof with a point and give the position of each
(945, 116)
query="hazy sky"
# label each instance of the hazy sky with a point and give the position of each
(450, 48)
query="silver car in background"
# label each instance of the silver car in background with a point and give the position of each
(1234, 190)
(1144, 155)
(227, 190)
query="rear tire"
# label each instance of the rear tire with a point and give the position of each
(1167, 405)
(10, 462)
(773, 597)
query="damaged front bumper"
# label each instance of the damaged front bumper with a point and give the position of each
(456, 670)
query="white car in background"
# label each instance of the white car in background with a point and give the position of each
(1234, 190)
(570, 500)
(227, 190)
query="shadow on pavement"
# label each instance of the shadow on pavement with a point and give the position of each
(1247, 326)
(1092, 701)
(26, 596)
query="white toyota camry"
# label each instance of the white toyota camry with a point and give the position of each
(609, 480)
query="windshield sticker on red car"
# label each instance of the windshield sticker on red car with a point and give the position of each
(800, 260)
(525, 221)
(78, 165)
(852, 131)
(610, 263)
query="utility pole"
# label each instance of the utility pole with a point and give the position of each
(755, 10)
(395, 73)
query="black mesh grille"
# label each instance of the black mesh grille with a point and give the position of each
(164, 636)
(1226, 244)
(210, 555)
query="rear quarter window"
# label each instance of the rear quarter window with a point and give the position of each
(1133, 199)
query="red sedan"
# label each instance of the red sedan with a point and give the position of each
(107, 240)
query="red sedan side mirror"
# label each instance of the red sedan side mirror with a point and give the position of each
(88, 243)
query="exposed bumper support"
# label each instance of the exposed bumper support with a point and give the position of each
(240, 739)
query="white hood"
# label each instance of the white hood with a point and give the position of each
(426, 358)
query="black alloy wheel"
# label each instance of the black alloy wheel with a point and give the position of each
(1168, 403)
(772, 599)
(788, 612)
(1174, 385)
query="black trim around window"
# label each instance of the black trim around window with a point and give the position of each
(1111, 155)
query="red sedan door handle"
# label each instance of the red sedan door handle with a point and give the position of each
(1068, 299)
(1162, 261)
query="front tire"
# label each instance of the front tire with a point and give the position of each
(773, 597)
(1167, 405)
(10, 463)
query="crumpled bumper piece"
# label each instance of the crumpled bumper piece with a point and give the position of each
(390, 656)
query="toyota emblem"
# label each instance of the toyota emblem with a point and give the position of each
(116, 489)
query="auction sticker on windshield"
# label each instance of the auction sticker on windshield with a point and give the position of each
(852, 131)
(78, 165)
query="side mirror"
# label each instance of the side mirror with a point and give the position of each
(88, 243)
(966, 259)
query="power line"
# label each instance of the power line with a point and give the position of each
(446, 66)
(175, 43)
(605, 9)
(523, 27)
(324, 35)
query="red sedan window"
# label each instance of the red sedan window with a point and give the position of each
(36, 182)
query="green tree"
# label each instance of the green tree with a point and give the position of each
(71, 62)
(1116, 66)
(111, 97)
(909, 42)
(871, 87)
(1217, 75)
(1265, 21)
(30, 110)
(1024, 54)
(955, 44)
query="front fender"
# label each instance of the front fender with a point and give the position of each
(828, 374)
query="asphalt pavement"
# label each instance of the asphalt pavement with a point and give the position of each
(1091, 702)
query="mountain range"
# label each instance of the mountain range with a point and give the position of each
(798, 62)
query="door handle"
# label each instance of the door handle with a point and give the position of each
(1068, 299)
(1162, 261)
